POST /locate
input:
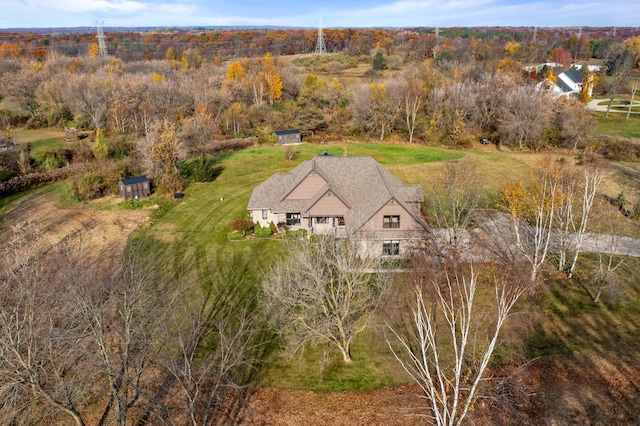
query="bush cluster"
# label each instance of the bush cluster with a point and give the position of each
(263, 232)
(24, 182)
(100, 179)
(616, 149)
(242, 225)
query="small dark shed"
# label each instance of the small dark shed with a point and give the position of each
(135, 187)
(288, 137)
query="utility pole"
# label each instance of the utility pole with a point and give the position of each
(320, 46)
(102, 46)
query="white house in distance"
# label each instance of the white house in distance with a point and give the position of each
(569, 83)
(347, 197)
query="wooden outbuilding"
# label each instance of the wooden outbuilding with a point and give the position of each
(135, 187)
(288, 137)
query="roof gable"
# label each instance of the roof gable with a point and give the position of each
(360, 183)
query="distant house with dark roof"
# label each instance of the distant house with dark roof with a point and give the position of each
(347, 197)
(569, 84)
(135, 187)
(288, 137)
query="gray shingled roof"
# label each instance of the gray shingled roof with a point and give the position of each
(360, 182)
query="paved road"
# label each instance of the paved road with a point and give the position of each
(494, 239)
(593, 105)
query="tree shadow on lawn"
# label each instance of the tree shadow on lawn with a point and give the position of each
(587, 357)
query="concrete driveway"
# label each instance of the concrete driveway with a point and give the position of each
(593, 106)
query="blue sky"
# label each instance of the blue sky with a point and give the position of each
(358, 13)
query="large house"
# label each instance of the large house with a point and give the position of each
(347, 197)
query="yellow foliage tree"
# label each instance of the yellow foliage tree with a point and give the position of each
(548, 78)
(165, 154)
(93, 50)
(274, 90)
(589, 80)
(170, 55)
(235, 72)
(633, 45)
(511, 48)
(157, 77)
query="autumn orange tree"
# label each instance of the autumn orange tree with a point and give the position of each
(9, 50)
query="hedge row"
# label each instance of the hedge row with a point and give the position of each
(21, 183)
(230, 145)
(617, 149)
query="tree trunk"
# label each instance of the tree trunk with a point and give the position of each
(633, 92)
(346, 354)
(609, 106)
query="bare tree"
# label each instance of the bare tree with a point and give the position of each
(591, 179)
(524, 117)
(321, 292)
(42, 344)
(612, 250)
(211, 346)
(455, 196)
(447, 328)
(375, 109)
(91, 95)
(123, 315)
(532, 210)
(407, 88)
(618, 70)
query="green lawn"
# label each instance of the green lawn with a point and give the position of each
(617, 125)
(42, 140)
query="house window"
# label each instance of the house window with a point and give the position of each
(340, 220)
(391, 222)
(128, 189)
(265, 214)
(322, 219)
(293, 219)
(391, 248)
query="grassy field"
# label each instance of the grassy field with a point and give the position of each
(43, 140)
(617, 125)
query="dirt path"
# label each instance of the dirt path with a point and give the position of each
(103, 230)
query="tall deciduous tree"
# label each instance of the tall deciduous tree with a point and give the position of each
(43, 345)
(165, 152)
(321, 292)
(532, 209)
(455, 196)
(374, 109)
(524, 117)
(452, 340)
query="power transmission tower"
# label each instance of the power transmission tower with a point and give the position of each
(320, 47)
(102, 46)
